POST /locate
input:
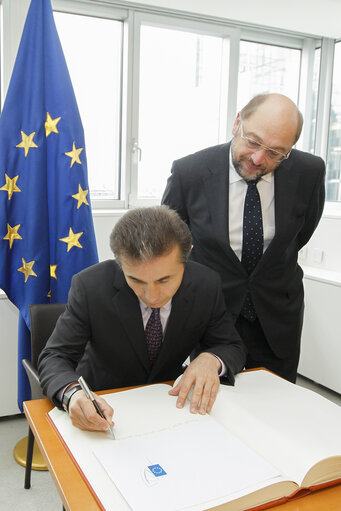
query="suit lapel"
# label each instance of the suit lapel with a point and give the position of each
(216, 187)
(286, 182)
(127, 308)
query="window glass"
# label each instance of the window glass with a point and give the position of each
(92, 48)
(180, 82)
(316, 75)
(267, 68)
(333, 183)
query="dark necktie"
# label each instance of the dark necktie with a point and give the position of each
(153, 332)
(253, 241)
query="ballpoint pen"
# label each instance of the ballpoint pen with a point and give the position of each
(90, 396)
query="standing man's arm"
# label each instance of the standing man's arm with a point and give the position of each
(174, 195)
(316, 205)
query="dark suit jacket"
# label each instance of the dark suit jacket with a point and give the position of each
(198, 191)
(101, 336)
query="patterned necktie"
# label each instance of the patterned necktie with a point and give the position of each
(153, 332)
(253, 241)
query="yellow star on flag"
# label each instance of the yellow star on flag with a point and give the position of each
(74, 154)
(72, 239)
(12, 234)
(26, 269)
(51, 124)
(81, 196)
(10, 186)
(27, 142)
(53, 268)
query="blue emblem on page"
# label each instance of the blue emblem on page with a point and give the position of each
(157, 470)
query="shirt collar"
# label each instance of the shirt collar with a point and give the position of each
(166, 307)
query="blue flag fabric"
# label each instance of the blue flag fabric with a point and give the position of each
(46, 226)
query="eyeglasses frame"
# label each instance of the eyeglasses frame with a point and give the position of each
(262, 146)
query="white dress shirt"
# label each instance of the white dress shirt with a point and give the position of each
(165, 311)
(237, 193)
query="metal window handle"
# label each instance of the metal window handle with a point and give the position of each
(137, 150)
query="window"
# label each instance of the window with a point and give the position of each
(316, 75)
(93, 47)
(333, 184)
(166, 86)
(267, 68)
(179, 100)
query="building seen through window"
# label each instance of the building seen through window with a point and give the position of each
(267, 68)
(333, 182)
(97, 85)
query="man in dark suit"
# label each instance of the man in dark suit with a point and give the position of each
(135, 320)
(251, 205)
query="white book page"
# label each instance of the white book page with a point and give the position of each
(288, 425)
(80, 444)
(134, 418)
(131, 419)
(188, 463)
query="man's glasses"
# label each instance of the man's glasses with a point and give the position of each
(272, 154)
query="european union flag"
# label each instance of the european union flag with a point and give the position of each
(46, 227)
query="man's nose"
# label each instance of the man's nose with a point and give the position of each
(258, 157)
(152, 293)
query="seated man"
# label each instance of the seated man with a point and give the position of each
(136, 319)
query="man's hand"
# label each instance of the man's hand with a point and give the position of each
(84, 416)
(202, 374)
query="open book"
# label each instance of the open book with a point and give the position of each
(265, 441)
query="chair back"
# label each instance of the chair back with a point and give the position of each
(43, 318)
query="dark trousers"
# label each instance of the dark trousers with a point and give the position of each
(260, 353)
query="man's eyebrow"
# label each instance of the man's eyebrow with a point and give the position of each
(143, 282)
(163, 278)
(135, 278)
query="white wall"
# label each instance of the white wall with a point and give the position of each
(321, 346)
(9, 357)
(324, 249)
(104, 222)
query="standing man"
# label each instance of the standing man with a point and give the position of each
(135, 321)
(251, 205)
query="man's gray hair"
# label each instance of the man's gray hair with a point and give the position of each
(145, 233)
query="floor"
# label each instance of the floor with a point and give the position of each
(43, 495)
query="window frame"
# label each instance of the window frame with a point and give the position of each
(333, 207)
(84, 8)
(13, 18)
(228, 99)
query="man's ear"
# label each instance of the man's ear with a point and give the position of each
(236, 124)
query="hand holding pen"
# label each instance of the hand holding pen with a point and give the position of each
(89, 413)
(90, 396)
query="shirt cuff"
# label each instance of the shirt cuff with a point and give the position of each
(223, 369)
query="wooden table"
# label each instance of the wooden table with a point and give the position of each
(76, 495)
